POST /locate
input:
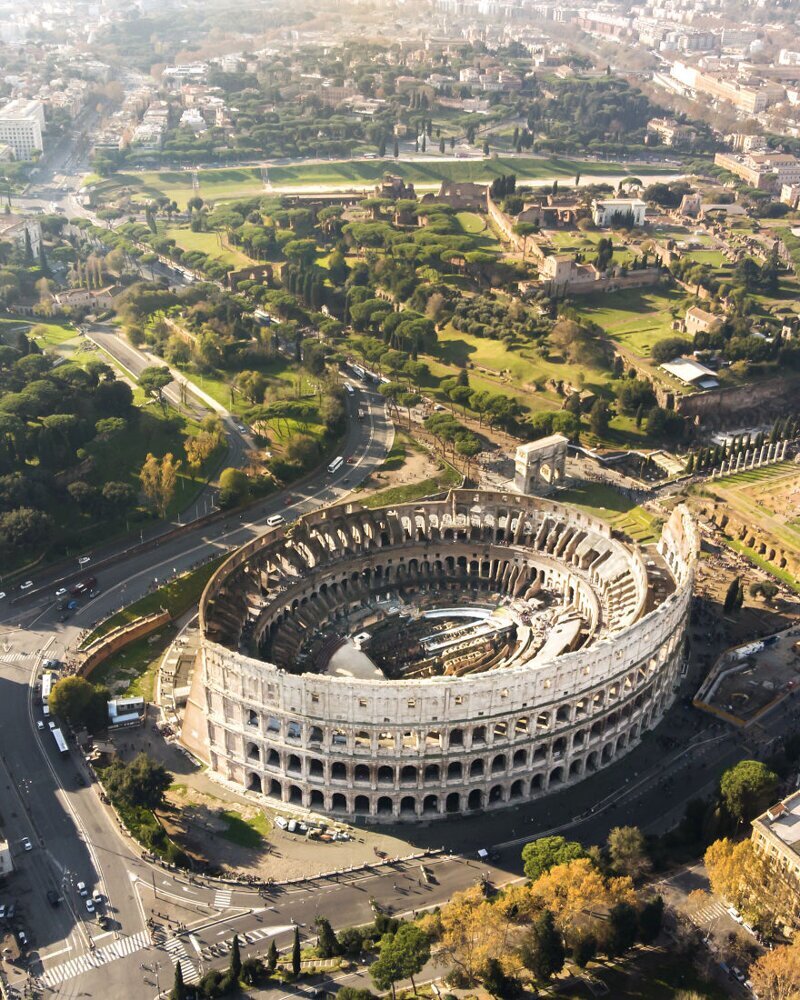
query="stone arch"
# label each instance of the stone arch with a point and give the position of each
(317, 799)
(408, 774)
(361, 805)
(361, 773)
(496, 794)
(338, 771)
(499, 764)
(408, 804)
(517, 789)
(453, 803)
(430, 804)
(475, 799)
(385, 775)
(476, 768)
(385, 806)
(295, 795)
(454, 770)
(338, 802)
(253, 782)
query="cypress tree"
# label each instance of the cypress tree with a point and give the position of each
(235, 966)
(272, 957)
(296, 952)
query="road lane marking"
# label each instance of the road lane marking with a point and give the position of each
(179, 956)
(94, 959)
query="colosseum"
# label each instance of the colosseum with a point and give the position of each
(438, 657)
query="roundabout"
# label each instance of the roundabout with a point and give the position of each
(436, 658)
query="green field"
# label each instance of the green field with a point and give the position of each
(586, 243)
(237, 182)
(208, 243)
(471, 223)
(609, 504)
(637, 317)
(132, 672)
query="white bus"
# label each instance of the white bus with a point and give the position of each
(350, 390)
(47, 687)
(337, 463)
(61, 743)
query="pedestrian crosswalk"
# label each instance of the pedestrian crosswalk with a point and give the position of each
(94, 959)
(14, 657)
(708, 914)
(177, 952)
(222, 899)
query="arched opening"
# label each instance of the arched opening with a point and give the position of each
(338, 802)
(453, 803)
(499, 763)
(361, 773)
(479, 735)
(361, 805)
(252, 718)
(315, 768)
(408, 805)
(338, 771)
(591, 761)
(456, 737)
(273, 759)
(575, 768)
(385, 775)
(476, 768)
(293, 764)
(432, 772)
(517, 789)
(536, 783)
(254, 782)
(475, 800)
(275, 789)
(253, 752)
(556, 777)
(430, 804)
(520, 758)
(607, 754)
(454, 770)
(317, 800)
(408, 774)
(496, 794)
(384, 806)
(295, 795)
(315, 735)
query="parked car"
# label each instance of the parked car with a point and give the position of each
(39, 724)
(22, 937)
(61, 591)
(82, 890)
(27, 585)
(26, 844)
(90, 906)
(83, 560)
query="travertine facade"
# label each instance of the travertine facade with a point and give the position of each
(414, 749)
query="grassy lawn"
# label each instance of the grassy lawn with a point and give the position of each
(586, 243)
(238, 182)
(636, 318)
(50, 334)
(133, 671)
(609, 504)
(781, 574)
(471, 223)
(713, 258)
(245, 832)
(447, 478)
(211, 244)
(177, 597)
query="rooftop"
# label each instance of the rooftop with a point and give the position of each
(691, 373)
(784, 820)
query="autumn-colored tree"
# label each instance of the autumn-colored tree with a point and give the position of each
(199, 448)
(159, 477)
(474, 931)
(576, 892)
(776, 974)
(762, 892)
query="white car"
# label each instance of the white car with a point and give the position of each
(39, 724)
(61, 591)
(89, 906)
(26, 843)
(82, 890)
(241, 428)
(2, 594)
(27, 585)
(83, 560)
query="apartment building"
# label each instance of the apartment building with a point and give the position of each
(765, 171)
(21, 124)
(749, 99)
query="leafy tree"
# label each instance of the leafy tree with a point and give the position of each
(253, 971)
(599, 417)
(670, 347)
(142, 782)
(159, 479)
(296, 952)
(747, 789)
(543, 950)
(82, 704)
(235, 965)
(272, 957)
(353, 993)
(178, 991)
(628, 852)
(650, 920)
(327, 943)
(776, 973)
(497, 982)
(539, 856)
(402, 955)
(154, 380)
(233, 487)
(622, 929)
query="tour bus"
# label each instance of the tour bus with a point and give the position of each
(61, 743)
(337, 463)
(47, 687)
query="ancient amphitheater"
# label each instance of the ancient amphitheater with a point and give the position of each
(436, 658)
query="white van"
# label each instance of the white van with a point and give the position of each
(275, 519)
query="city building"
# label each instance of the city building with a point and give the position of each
(19, 230)
(767, 171)
(691, 373)
(699, 320)
(618, 212)
(776, 834)
(21, 124)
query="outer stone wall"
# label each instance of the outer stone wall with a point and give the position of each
(417, 749)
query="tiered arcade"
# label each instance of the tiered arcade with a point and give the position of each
(532, 718)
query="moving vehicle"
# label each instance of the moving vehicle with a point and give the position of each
(61, 591)
(350, 390)
(47, 687)
(27, 585)
(89, 906)
(83, 560)
(2, 594)
(82, 890)
(61, 743)
(26, 844)
(275, 519)
(337, 463)
(39, 724)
